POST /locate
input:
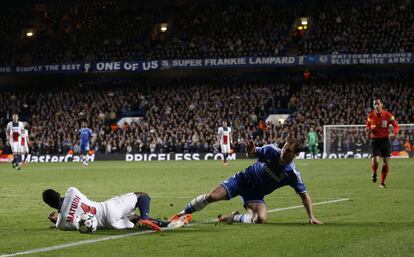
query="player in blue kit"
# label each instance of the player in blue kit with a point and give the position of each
(85, 135)
(273, 169)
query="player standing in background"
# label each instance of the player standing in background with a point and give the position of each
(225, 138)
(377, 125)
(85, 135)
(312, 142)
(13, 131)
(115, 213)
(24, 136)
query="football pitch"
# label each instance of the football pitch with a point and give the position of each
(360, 218)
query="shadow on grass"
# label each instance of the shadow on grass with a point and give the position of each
(109, 232)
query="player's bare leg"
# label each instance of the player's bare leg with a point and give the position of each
(85, 159)
(258, 210)
(384, 171)
(225, 155)
(374, 167)
(18, 163)
(24, 158)
(14, 161)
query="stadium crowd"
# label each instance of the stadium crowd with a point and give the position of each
(80, 31)
(182, 115)
(175, 116)
(357, 26)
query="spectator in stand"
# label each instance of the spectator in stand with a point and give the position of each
(243, 101)
(408, 146)
(352, 27)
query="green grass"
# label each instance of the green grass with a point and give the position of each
(375, 222)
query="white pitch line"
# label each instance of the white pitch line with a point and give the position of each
(91, 241)
(301, 206)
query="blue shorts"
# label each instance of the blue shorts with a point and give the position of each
(239, 185)
(84, 147)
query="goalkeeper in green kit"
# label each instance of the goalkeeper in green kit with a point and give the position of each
(312, 142)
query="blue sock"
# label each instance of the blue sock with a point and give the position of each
(225, 157)
(143, 204)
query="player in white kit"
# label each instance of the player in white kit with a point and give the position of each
(13, 134)
(225, 138)
(115, 213)
(24, 142)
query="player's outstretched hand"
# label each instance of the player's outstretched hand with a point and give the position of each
(51, 216)
(314, 221)
(250, 148)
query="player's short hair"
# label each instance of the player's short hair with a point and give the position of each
(298, 146)
(51, 197)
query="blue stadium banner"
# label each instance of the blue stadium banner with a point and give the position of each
(240, 62)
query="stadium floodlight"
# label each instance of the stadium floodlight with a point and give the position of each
(29, 34)
(163, 27)
(304, 21)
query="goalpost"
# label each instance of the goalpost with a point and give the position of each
(351, 141)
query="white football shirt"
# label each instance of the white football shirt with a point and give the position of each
(15, 129)
(224, 133)
(112, 213)
(74, 204)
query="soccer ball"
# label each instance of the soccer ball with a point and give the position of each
(86, 223)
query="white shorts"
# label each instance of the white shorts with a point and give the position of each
(16, 147)
(25, 149)
(118, 209)
(225, 148)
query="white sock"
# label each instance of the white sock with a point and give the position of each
(197, 204)
(244, 218)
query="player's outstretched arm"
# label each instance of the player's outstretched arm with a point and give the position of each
(250, 148)
(7, 133)
(307, 202)
(53, 216)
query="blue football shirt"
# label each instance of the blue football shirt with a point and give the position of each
(85, 134)
(267, 174)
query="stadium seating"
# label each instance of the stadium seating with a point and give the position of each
(349, 26)
(182, 115)
(187, 119)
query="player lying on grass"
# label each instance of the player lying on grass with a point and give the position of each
(115, 213)
(273, 169)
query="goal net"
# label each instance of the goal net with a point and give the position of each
(351, 141)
